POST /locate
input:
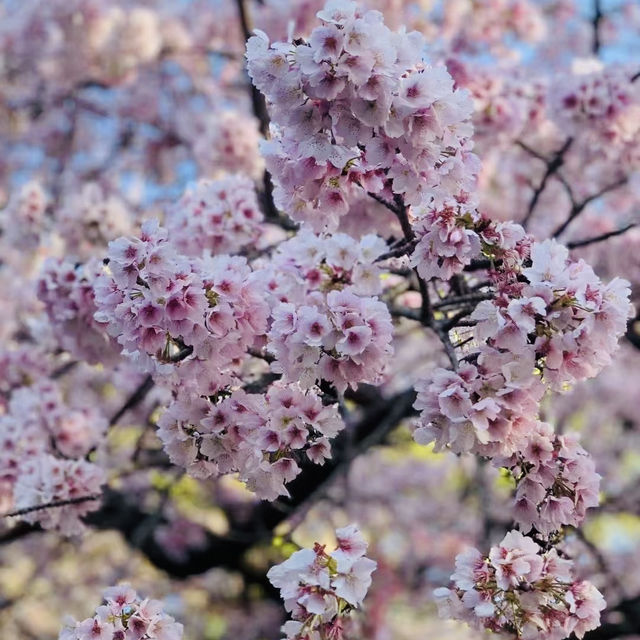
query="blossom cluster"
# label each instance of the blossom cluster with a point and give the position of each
(124, 616)
(228, 141)
(66, 289)
(601, 101)
(216, 216)
(561, 311)
(261, 437)
(492, 23)
(447, 241)
(327, 323)
(89, 219)
(556, 481)
(25, 363)
(506, 105)
(553, 323)
(43, 441)
(449, 236)
(46, 479)
(189, 321)
(356, 108)
(23, 219)
(320, 589)
(522, 591)
(488, 408)
(346, 341)
(309, 263)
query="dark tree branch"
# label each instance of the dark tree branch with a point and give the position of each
(633, 331)
(383, 202)
(596, 21)
(133, 400)
(260, 111)
(125, 515)
(454, 301)
(578, 207)
(552, 167)
(21, 530)
(600, 238)
(51, 505)
(257, 99)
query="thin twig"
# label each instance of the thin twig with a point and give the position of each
(402, 249)
(452, 322)
(133, 400)
(52, 505)
(552, 166)
(579, 207)
(469, 297)
(600, 238)
(64, 369)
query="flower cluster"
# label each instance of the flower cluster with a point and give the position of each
(345, 340)
(557, 482)
(495, 24)
(505, 104)
(320, 589)
(66, 289)
(562, 312)
(23, 220)
(326, 323)
(216, 216)
(26, 363)
(553, 323)
(449, 236)
(520, 590)
(601, 101)
(89, 219)
(46, 479)
(309, 263)
(175, 314)
(36, 425)
(487, 408)
(258, 436)
(124, 616)
(229, 142)
(446, 240)
(355, 108)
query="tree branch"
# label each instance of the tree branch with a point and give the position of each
(133, 400)
(604, 236)
(51, 505)
(126, 515)
(596, 21)
(552, 166)
(579, 207)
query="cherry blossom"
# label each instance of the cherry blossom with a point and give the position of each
(261, 437)
(124, 616)
(522, 591)
(320, 589)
